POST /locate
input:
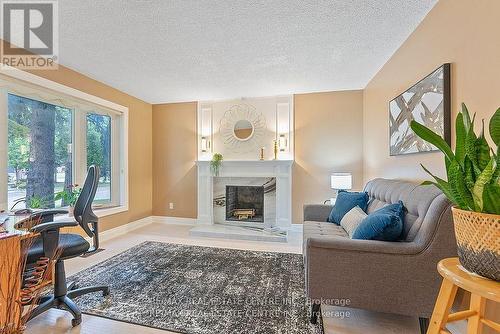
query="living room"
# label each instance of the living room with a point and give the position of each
(211, 167)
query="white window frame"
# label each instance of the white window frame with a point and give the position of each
(25, 84)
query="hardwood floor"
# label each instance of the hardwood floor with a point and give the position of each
(57, 321)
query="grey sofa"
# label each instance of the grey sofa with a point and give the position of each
(392, 277)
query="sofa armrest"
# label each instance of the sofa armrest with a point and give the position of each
(339, 243)
(317, 212)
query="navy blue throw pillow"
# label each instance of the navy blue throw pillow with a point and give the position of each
(345, 202)
(385, 224)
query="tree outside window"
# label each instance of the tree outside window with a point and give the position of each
(39, 151)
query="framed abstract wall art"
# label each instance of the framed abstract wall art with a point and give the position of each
(427, 102)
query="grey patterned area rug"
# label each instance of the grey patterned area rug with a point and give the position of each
(201, 290)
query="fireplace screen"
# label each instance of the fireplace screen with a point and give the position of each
(245, 203)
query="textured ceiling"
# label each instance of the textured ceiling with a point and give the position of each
(185, 50)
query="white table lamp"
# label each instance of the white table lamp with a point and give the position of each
(340, 181)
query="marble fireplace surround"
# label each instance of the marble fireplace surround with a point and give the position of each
(281, 170)
(260, 195)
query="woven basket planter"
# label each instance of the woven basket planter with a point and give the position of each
(478, 241)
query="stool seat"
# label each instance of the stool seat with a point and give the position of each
(452, 270)
(480, 288)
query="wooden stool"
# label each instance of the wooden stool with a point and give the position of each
(481, 289)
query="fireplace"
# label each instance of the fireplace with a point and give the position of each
(245, 203)
(276, 178)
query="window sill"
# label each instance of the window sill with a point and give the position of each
(110, 211)
(100, 213)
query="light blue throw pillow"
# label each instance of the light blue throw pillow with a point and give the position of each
(385, 224)
(345, 202)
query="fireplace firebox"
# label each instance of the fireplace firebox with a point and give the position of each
(245, 203)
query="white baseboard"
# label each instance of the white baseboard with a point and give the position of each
(117, 231)
(173, 220)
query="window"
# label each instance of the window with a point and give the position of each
(39, 152)
(53, 134)
(99, 153)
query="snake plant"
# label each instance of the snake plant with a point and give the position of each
(473, 170)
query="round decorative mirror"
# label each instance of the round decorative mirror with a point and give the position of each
(243, 130)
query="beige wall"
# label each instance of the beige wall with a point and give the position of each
(462, 32)
(328, 138)
(140, 142)
(174, 163)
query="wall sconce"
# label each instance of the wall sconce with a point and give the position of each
(205, 131)
(205, 144)
(284, 127)
(283, 143)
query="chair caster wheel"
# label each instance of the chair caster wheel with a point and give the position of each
(105, 292)
(76, 322)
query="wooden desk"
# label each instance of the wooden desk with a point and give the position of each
(13, 246)
(11, 225)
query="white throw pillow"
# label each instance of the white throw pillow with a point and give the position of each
(352, 219)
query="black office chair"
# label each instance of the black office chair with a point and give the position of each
(68, 246)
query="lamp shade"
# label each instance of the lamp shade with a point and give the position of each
(341, 181)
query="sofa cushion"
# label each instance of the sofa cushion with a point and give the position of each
(322, 229)
(345, 202)
(385, 224)
(352, 220)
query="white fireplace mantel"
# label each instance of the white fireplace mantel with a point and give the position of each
(280, 169)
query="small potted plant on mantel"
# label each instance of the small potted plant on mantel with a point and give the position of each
(68, 196)
(216, 163)
(473, 185)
